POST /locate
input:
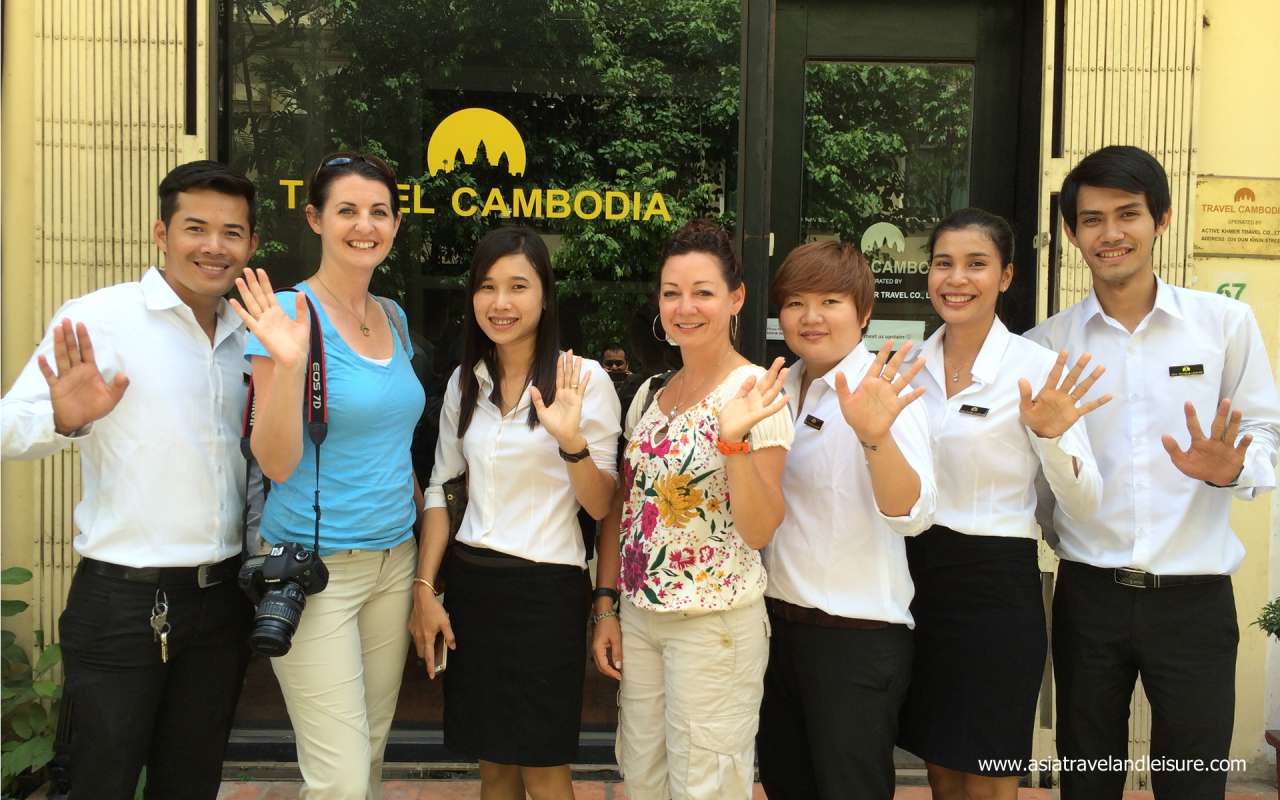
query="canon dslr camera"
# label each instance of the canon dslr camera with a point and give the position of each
(278, 584)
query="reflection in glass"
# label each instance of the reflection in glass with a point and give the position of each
(886, 155)
(610, 96)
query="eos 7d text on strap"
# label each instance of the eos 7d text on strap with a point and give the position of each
(315, 412)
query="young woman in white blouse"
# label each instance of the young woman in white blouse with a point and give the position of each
(701, 493)
(858, 480)
(980, 627)
(535, 431)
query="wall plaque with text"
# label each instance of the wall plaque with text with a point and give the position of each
(1237, 217)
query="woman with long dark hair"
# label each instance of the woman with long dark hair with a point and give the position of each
(980, 637)
(535, 432)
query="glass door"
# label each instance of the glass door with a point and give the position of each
(887, 117)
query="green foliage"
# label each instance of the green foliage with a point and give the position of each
(28, 699)
(884, 142)
(1269, 618)
(631, 95)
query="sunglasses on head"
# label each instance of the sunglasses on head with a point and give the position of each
(343, 159)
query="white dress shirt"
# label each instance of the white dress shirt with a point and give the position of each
(1152, 516)
(985, 459)
(834, 550)
(519, 497)
(162, 474)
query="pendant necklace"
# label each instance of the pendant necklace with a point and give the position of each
(364, 327)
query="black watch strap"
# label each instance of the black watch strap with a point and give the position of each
(605, 591)
(574, 458)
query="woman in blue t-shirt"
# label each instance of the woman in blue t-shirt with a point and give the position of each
(341, 677)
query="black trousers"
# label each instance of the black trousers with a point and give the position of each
(829, 717)
(1182, 641)
(128, 709)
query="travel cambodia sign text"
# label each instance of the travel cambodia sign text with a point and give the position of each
(461, 134)
(1237, 217)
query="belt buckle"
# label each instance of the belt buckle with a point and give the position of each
(202, 576)
(1133, 578)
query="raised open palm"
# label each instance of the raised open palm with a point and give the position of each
(564, 416)
(871, 408)
(286, 340)
(757, 399)
(78, 392)
(1054, 409)
(1217, 458)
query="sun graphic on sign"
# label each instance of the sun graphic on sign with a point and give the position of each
(464, 131)
(1245, 193)
(883, 235)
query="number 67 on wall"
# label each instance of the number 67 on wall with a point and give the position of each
(1233, 290)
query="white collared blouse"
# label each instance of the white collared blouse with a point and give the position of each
(834, 550)
(520, 500)
(986, 461)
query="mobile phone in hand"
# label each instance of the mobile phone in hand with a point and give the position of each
(442, 654)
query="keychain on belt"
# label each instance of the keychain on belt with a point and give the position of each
(160, 623)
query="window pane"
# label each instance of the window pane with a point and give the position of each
(886, 155)
(623, 118)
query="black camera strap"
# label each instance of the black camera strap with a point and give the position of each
(315, 409)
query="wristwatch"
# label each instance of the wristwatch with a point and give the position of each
(574, 458)
(605, 591)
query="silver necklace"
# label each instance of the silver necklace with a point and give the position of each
(364, 322)
(675, 405)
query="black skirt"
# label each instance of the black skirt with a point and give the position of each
(980, 644)
(513, 687)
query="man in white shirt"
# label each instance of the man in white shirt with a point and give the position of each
(148, 379)
(1144, 586)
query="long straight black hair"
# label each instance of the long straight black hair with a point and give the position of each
(478, 347)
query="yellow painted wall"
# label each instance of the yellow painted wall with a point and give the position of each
(94, 116)
(1238, 134)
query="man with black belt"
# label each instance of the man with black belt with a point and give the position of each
(148, 379)
(1144, 586)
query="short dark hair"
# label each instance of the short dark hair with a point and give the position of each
(994, 226)
(705, 236)
(1123, 167)
(478, 348)
(615, 346)
(346, 162)
(196, 175)
(826, 266)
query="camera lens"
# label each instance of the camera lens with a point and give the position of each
(276, 620)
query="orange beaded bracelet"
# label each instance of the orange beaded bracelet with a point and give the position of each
(733, 448)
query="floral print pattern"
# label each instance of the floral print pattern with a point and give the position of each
(679, 550)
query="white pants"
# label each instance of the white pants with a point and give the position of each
(689, 705)
(342, 676)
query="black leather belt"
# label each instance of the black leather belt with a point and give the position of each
(203, 576)
(816, 616)
(1138, 579)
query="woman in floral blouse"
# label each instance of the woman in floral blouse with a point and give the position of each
(700, 495)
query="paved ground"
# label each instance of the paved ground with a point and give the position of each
(596, 790)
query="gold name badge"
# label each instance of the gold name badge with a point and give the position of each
(1186, 370)
(974, 411)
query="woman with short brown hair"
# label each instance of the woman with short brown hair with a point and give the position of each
(858, 479)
